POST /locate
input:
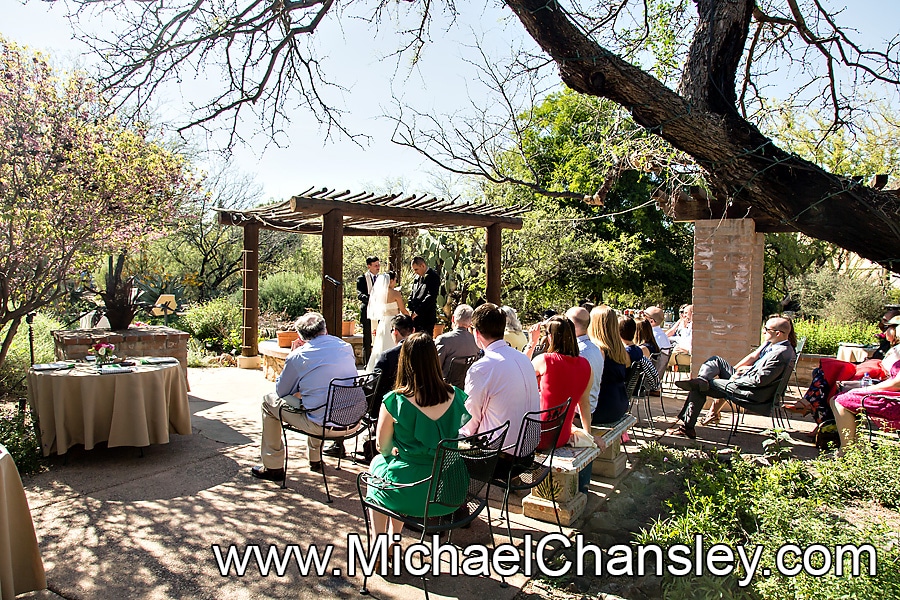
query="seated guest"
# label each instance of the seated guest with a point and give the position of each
(831, 371)
(612, 404)
(459, 342)
(581, 319)
(882, 403)
(643, 337)
(422, 410)
(656, 317)
(562, 374)
(401, 328)
(513, 333)
(682, 332)
(883, 343)
(627, 329)
(501, 385)
(752, 381)
(315, 359)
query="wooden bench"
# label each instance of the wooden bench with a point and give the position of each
(568, 462)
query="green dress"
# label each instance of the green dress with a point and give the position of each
(416, 437)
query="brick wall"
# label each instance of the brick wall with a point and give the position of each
(728, 289)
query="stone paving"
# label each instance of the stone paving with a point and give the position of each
(113, 524)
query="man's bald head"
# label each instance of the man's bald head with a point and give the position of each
(581, 318)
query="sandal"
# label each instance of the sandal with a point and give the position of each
(801, 407)
(682, 431)
(710, 419)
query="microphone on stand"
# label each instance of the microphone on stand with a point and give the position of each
(333, 281)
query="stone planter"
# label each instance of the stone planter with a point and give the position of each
(73, 344)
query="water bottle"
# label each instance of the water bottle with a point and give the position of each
(866, 381)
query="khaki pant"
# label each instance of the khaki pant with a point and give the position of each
(272, 447)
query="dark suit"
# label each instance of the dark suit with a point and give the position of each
(362, 293)
(387, 362)
(754, 389)
(423, 300)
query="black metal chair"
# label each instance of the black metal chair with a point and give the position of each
(344, 410)
(649, 380)
(774, 408)
(660, 360)
(370, 419)
(459, 366)
(524, 471)
(460, 476)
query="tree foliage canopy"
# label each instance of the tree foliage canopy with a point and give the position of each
(74, 182)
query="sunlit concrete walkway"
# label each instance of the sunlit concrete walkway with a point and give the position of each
(113, 524)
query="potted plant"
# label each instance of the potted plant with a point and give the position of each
(351, 313)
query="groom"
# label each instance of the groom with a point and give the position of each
(423, 298)
(364, 285)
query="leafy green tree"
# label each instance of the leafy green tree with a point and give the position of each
(625, 251)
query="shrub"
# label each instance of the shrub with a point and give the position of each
(18, 435)
(823, 337)
(18, 360)
(839, 297)
(289, 293)
(216, 324)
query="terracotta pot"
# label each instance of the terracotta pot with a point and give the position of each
(438, 330)
(348, 328)
(286, 337)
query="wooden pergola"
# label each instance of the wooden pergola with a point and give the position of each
(334, 214)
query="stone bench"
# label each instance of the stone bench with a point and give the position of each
(273, 355)
(567, 464)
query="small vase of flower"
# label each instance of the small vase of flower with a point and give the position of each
(103, 352)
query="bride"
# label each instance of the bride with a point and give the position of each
(385, 302)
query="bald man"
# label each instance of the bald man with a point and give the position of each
(751, 383)
(581, 319)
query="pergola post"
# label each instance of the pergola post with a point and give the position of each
(249, 358)
(493, 263)
(395, 252)
(333, 266)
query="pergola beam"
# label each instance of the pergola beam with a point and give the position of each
(412, 216)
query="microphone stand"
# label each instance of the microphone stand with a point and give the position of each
(338, 308)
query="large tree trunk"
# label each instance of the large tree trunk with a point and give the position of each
(743, 165)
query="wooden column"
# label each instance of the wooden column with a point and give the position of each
(395, 252)
(333, 266)
(493, 263)
(250, 278)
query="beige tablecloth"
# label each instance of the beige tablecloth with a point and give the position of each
(852, 353)
(80, 406)
(21, 569)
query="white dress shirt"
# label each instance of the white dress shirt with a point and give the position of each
(662, 340)
(594, 355)
(501, 387)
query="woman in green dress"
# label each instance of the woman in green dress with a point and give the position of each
(421, 411)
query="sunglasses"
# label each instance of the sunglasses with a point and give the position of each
(771, 330)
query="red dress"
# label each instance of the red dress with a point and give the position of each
(565, 377)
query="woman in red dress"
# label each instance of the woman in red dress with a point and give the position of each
(562, 374)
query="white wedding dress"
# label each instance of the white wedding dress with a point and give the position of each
(382, 311)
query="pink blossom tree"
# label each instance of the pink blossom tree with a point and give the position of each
(75, 183)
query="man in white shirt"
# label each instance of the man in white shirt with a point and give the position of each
(657, 318)
(502, 385)
(581, 318)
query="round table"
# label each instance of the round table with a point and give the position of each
(81, 406)
(21, 568)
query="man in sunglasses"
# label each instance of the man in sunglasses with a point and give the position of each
(751, 383)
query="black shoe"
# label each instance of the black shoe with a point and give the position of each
(335, 450)
(315, 466)
(697, 383)
(261, 472)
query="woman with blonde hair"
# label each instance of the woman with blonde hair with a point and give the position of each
(612, 403)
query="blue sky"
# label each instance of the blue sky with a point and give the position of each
(358, 59)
